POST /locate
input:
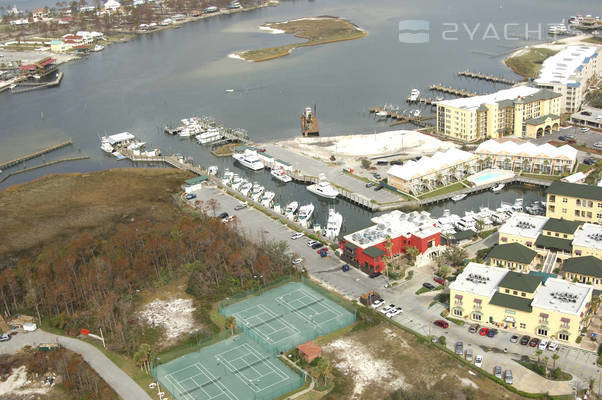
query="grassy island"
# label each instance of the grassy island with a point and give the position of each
(315, 31)
(529, 63)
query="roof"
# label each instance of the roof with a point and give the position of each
(524, 225)
(475, 102)
(550, 242)
(284, 163)
(577, 177)
(120, 137)
(562, 296)
(511, 148)
(430, 165)
(589, 236)
(541, 120)
(479, 279)
(509, 301)
(563, 67)
(463, 235)
(575, 190)
(350, 245)
(561, 225)
(374, 252)
(310, 349)
(196, 180)
(514, 252)
(523, 282)
(588, 265)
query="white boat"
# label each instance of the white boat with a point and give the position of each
(382, 114)
(98, 47)
(416, 113)
(229, 90)
(106, 147)
(211, 135)
(228, 176)
(305, 213)
(281, 175)
(458, 197)
(414, 94)
(212, 170)
(185, 132)
(256, 192)
(237, 182)
(245, 188)
(497, 187)
(334, 223)
(267, 199)
(323, 188)
(290, 210)
(136, 145)
(249, 159)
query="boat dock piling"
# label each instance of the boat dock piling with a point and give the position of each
(450, 90)
(485, 77)
(28, 157)
(23, 87)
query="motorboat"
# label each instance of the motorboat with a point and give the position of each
(305, 213)
(137, 145)
(256, 192)
(212, 170)
(106, 147)
(281, 175)
(414, 94)
(236, 182)
(334, 223)
(267, 199)
(245, 188)
(323, 188)
(416, 113)
(229, 90)
(98, 47)
(459, 197)
(518, 205)
(497, 187)
(249, 159)
(228, 176)
(211, 135)
(382, 114)
(290, 210)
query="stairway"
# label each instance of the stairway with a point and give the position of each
(550, 261)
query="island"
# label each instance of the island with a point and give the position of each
(315, 31)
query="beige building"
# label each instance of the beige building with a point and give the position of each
(575, 202)
(521, 111)
(587, 269)
(513, 256)
(548, 308)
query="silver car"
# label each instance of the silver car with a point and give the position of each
(460, 348)
(508, 377)
(497, 371)
(5, 337)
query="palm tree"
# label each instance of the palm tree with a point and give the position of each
(546, 165)
(554, 358)
(538, 354)
(526, 164)
(545, 362)
(230, 323)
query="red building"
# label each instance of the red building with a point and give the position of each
(367, 249)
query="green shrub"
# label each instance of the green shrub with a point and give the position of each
(442, 340)
(579, 339)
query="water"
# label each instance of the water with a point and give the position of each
(141, 85)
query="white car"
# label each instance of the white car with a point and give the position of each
(553, 346)
(584, 129)
(597, 145)
(543, 344)
(312, 242)
(394, 312)
(478, 361)
(297, 261)
(377, 303)
(386, 309)
(297, 235)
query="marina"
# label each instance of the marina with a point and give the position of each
(401, 118)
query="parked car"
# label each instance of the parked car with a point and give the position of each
(584, 129)
(396, 162)
(394, 312)
(379, 187)
(439, 280)
(323, 253)
(597, 145)
(322, 249)
(190, 196)
(525, 340)
(297, 261)
(5, 337)
(345, 268)
(534, 342)
(428, 285)
(571, 136)
(459, 348)
(508, 377)
(483, 331)
(370, 184)
(563, 138)
(382, 162)
(374, 275)
(514, 339)
(474, 328)
(497, 371)
(492, 332)
(310, 243)
(242, 206)
(441, 323)
(376, 175)
(478, 361)
(223, 215)
(589, 161)
(543, 344)
(469, 355)
(377, 303)
(553, 346)
(388, 308)
(317, 245)
(297, 235)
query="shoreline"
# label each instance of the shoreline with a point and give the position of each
(558, 44)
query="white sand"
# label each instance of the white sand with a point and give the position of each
(17, 384)
(557, 45)
(236, 56)
(273, 31)
(174, 315)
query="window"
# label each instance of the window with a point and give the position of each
(563, 336)
(556, 234)
(514, 292)
(457, 312)
(523, 294)
(523, 326)
(504, 239)
(552, 198)
(565, 235)
(507, 290)
(564, 210)
(477, 316)
(542, 331)
(577, 252)
(565, 200)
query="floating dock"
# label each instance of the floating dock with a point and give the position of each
(27, 157)
(23, 87)
(485, 77)
(450, 90)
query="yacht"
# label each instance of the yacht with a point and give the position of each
(279, 174)
(228, 176)
(236, 182)
(210, 136)
(267, 199)
(256, 192)
(305, 213)
(458, 197)
(245, 188)
(249, 159)
(414, 95)
(290, 210)
(333, 225)
(497, 187)
(106, 147)
(323, 188)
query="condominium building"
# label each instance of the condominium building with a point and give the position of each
(587, 269)
(520, 111)
(568, 72)
(516, 154)
(574, 201)
(549, 308)
(427, 173)
(513, 256)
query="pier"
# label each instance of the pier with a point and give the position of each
(485, 77)
(421, 100)
(23, 87)
(450, 90)
(230, 135)
(400, 118)
(62, 160)
(28, 157)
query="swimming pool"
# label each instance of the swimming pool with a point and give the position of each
(488, 176)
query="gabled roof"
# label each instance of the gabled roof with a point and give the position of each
(575, 190)
(541, 120)
(523, 282)
(196, 180)
(374, 252)
(561, 225)
(513, 302)
(550, 242)
(588, 265)
(514, 252)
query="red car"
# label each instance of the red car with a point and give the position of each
(441, 323)
(534, 342)
(483, 331)
(439, 280)
(323, 249)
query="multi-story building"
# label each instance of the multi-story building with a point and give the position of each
(521, 111)
(574, 202)
(586, 269)
(513, 256)
(516, 154)
(549, 308)
(391, 235)
(568, 72)
(587, 241)
(522, 228)
(427, 173)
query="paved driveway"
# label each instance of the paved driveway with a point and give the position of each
(111, 373)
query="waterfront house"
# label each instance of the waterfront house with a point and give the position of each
(525, 303)
(112, 6)
(57, 46)
(574, 201)
(513, 256)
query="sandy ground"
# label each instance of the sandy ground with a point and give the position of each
(32, 56)
(353, 147)
(558, 45)
(174, 315)
(18, 384)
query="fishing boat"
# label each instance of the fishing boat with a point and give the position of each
(249, 159)
(334, 223)
(382, 115)
(305, 213)
(211, 135)
(459, 197)
(290, 210)
(267, 199)
(323, 188)
(245, 188)
(281, 175)
(414, 95)
(228, 176)
(497, 187)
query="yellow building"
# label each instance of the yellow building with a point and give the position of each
(522, 228)
(521, 111)
(549, 308)
(587, 269)
(587, 241)
(574, 201)
(513, 256)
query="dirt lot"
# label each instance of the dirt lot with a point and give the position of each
(374, 362)
(62, 206)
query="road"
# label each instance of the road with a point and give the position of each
(121, 383)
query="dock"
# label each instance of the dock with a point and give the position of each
(28, 157)
(421, 100)
(23, 87)
(400, 118)
(230, 135)
(450, 90)
(62, 160)
(485, 77)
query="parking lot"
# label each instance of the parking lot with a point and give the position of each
(582, 138)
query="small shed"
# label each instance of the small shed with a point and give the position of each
(283, 165)
(190, 185)
(309, 351)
